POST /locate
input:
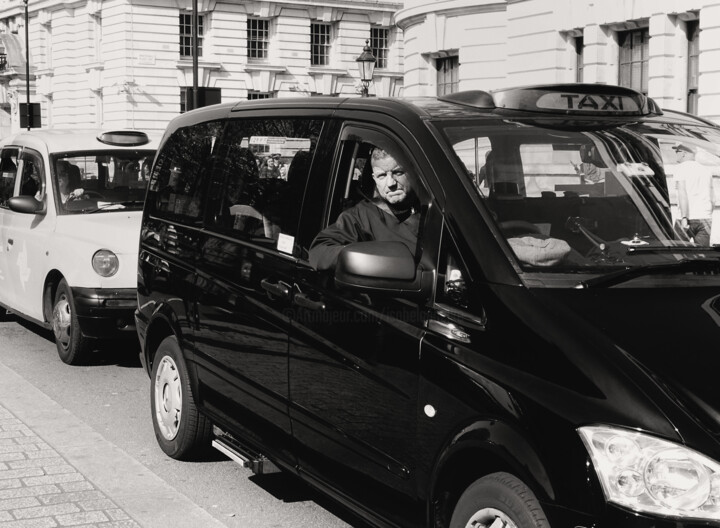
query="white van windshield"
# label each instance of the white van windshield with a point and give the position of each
(88, 182)
(580, 200)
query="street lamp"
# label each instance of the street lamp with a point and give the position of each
(366, 67)
(27, 67)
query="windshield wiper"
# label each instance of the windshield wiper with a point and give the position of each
(115, 206)
(674, 249)
(629, 273)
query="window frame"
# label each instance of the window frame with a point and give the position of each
(627, 60)
(186, 35)
(258, 39)
(321, 43)
(380, 46)
(448, 74)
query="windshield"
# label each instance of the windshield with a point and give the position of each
(88, 182)
(587, 201)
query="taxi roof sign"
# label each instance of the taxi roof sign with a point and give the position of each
(124, 138)
(577, 99)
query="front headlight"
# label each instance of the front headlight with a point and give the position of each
(105, 263)
(650, 475)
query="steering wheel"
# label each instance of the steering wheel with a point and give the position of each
(92, 195)
(512, 228)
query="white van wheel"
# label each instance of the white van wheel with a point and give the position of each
(180, 430)
(72, 346)
(498, 500)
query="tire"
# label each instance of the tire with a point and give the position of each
(181, 431)
(498, 497)
(72, 346)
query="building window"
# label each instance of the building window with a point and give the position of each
(693, 36)
(252, 96)
(448, 70)
(579, 59)
(206, 97)
(186, 40)
(320, 44)
(379, 45)
(634, 59)
(258, 38)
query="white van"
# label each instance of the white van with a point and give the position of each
(70, 207)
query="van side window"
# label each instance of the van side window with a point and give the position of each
(259, 181)
(179, 178)
(378, 195)
(8, 171)
(33, 175)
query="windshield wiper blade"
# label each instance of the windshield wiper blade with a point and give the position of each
(629, 273)
(674, 249)
(116, 206)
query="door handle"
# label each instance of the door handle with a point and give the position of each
(10, 241)
(279, 289)
(449, 330)
(304, 301)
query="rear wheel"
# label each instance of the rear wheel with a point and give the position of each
(498, 500)
(182, 432)
(72, 346)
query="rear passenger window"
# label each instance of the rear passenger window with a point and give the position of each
(179, 179)
(259, 180)
(8, 171)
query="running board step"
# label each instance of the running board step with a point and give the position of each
(241, 454)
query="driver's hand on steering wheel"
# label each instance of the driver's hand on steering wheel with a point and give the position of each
(77, 193)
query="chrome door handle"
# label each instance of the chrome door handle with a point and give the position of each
(449, 330)
(279, 289)
(304, 301)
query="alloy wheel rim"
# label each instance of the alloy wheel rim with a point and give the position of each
(490, 518)
(168, 398)
(62, 318)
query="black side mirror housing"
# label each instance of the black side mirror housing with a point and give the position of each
(381, 267)
(26, 205)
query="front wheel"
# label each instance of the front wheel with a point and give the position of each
(181, 431)
(498, 500)
(72, 346)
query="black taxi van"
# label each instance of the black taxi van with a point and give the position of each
(543, 355)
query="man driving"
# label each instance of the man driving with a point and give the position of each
(391, 215)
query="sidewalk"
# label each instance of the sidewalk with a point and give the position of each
(57, 471)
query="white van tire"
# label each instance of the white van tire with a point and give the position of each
(498, 496)
(181, 431)
(72, 346)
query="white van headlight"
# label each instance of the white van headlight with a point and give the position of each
(105, 263)
(650, 475)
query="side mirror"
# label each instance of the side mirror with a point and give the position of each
(380, 267)
(26, 205)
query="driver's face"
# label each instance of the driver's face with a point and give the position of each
(63, 180)
(390, 180)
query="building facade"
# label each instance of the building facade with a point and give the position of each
(129, 63)
(668, 49)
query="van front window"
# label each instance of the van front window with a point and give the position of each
(88, 182)
(571, 201)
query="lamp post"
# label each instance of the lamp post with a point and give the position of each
(28, 110)
(366, 67)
